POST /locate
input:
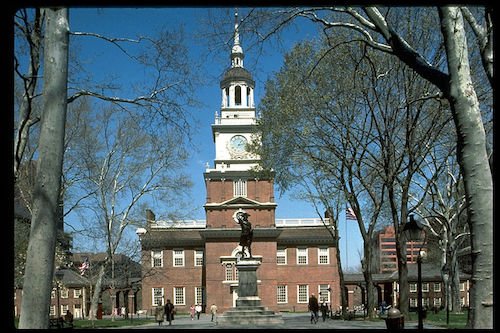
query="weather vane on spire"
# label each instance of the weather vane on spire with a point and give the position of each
(237, 51)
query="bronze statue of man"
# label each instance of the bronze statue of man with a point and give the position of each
(241, 217)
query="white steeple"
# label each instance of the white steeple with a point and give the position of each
(236, 52)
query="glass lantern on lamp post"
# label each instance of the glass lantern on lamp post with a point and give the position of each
(59, 277)
(414, 231)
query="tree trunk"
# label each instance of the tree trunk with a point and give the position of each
(343, 294)
(474, 165)
(39, 270)
(97, 292)
(371, 302)
(26, 119)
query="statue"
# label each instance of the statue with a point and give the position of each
(241, 217)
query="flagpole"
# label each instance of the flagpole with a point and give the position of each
(346, 250)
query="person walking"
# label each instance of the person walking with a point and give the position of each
(169, 311)
(313, 308)
(213, 310)
(159, 314)
(191, 311)
(197, 308)
(324, 310)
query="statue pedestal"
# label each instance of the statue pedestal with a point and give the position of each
(248, 308)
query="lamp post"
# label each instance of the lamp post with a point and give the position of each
(414, 231)
(59, 276)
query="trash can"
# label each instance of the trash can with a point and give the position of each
(393, 320)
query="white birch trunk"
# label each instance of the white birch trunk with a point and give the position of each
(474, 165)
(39, 270)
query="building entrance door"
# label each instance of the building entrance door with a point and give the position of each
(235, 295)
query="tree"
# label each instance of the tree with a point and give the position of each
(168, 90)
(123, 163)
(381, 31)
(39, 270)
(444, 214)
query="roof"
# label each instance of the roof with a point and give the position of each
(236, 74)
(159, 238)
(430, 272)
(73, 279)
(305, 236)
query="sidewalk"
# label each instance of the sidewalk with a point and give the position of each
(291, 321)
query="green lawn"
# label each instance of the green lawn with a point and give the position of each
(107, 322)
(456, 320)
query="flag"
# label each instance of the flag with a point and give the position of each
(84, 266)
(349, 214)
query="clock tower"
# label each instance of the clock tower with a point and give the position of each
(231, 184)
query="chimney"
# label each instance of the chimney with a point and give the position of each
(150, 217)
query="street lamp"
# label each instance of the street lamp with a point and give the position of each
(59, 277)
(414, 231)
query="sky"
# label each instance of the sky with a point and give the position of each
(105, 61)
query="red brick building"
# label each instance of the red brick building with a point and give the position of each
(193, 262)
(388, 261)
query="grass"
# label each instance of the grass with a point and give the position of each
(105, 322)
(456, 320)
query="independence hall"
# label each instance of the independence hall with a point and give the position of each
(193, 262)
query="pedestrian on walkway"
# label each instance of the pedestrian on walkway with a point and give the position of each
(191, 311)
(313, 307)
(213, 310)
(324, 310)
(197, 308)
(169, 311)
(159, 314)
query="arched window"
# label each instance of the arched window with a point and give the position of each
(248, 96)
(237, 95)
(227, 96)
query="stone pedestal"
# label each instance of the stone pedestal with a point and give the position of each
(248, 308)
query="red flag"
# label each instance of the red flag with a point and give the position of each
(349, 214)
(84, 266)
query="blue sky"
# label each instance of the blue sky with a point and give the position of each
(105, 61)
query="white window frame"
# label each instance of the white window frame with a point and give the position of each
(228, 272)
(281, 253)
(413, 302)
(178, 254)
(198, 295)
(240, 188)
(64, 292)
(323, 253)
(282, 294)
(437, 286)
(157, 257)
(198, 258)
(302, 297)
(177, 295)
(413, 287)
(437, 301)
(425, 287)
(302, 252)
(155, 297)
(52, 310)
(77, 293)
(322, 289)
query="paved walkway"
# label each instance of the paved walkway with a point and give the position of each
(291, 321)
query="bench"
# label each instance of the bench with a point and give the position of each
(55, 323)
(353, 314)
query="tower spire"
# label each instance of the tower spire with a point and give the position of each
(236, 32)
(236, 52)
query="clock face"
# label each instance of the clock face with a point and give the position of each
(237, 144)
